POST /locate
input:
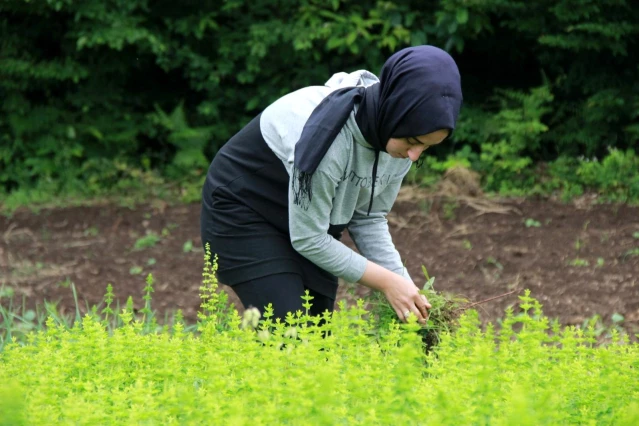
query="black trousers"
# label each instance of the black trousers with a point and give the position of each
(284, 291)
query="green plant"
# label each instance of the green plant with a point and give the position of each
(96, 111)
(579, 262)
(449, 207)
(91, 232)
(602, 330)
(514, 132)
(66, 283)
(492, 261)
(615, 176)
(443, 315)
(527, 368)
(532, 223)
(136, 270)
(114, 366)
(147, 241)
(632, 252)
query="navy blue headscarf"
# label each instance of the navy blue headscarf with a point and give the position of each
(419, 92)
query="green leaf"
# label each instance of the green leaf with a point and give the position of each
(532, 223)
(334, 42)
(147, 241)
(351, 38)
(462, 16)
(30, 315)
(617, 318)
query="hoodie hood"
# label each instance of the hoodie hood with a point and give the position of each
(359, 78)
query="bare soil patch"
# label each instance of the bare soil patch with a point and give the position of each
(576, 258)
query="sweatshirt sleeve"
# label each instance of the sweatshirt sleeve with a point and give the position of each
(308, 229)
(371, 234)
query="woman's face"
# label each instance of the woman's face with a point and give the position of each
(412, 147)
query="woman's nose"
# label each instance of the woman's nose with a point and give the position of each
(414, 152)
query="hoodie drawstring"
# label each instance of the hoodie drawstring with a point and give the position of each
(370, 204)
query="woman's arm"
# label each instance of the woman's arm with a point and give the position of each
(308, 226)
(308, 235)
(371, 235)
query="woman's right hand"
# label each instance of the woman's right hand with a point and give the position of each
(402, 294)
(405, 298)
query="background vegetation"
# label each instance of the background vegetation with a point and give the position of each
(102, 95)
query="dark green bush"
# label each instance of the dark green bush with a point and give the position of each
(88, 84)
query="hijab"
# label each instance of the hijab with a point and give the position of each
(419, 92)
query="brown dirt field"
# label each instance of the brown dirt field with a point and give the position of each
(575, 258)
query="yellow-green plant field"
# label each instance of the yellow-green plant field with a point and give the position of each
(338, 369)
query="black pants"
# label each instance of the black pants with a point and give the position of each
(284, 291)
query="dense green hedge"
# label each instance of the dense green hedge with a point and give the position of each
(93, 91)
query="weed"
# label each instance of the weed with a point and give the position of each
(26, 268)
(443, 315)
(136, 270)
(45, 234)
(494, 262)
(532, 223)
(6, 292)
(632, 252)
(425, 206)
(603, 331)
(467, 245)
(579, 262)
(449, 209)
(91, 232)
(149, 240)
(65, 284)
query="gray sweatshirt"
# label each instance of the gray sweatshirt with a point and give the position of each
(341, 185)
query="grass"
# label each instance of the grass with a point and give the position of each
(130, 193)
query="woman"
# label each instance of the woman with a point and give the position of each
(320, 160)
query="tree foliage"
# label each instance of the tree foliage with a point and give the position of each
(162, 85)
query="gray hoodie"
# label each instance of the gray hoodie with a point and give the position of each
(341, 185)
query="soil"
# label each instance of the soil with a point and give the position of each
(579, 259)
